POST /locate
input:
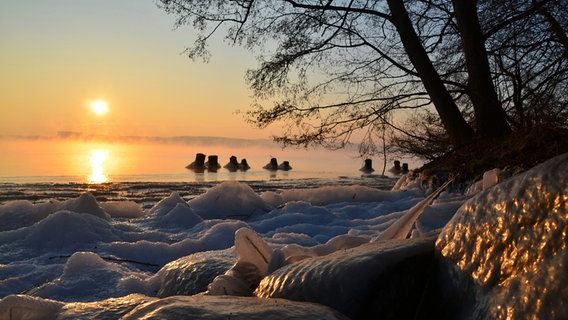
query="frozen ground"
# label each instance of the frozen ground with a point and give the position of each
(117, 257)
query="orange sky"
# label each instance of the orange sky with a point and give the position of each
(57, 56)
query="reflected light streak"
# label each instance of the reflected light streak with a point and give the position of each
(98, 157)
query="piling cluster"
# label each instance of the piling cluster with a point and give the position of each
(396, 169)
(212, 164)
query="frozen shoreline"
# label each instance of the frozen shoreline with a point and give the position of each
(121, 258)
(149, 192)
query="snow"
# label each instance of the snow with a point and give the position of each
(118, 258)
(41, 243)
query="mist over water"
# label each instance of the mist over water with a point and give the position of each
(74, 158)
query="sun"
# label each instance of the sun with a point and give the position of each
(99, 107)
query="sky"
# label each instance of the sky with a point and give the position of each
(59, 56)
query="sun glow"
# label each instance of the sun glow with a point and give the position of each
(98, 157)
(99, 107)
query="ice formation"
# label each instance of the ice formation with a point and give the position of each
(503, 254)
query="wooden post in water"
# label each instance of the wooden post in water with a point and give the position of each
(244, 166)
(368, 166)
(272, 165)
(285, 166)
(213, 163)
(199, 164)
(233, 164)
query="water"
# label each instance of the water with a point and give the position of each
(59, 160)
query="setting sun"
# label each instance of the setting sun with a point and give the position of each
(99, 107)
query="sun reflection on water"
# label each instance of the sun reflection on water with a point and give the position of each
(98, 158)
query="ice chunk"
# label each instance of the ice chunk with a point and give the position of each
(366, 282)
(335, 194)
(253, 256)
(85, 203)
(181, 216)
(87, 277)
(229, 200)
(250, 247)
(22, 213)
(400, 228)
(166, 205)
(29, 308)
(66, 229)
(122, 209)
(490, 178)
(192, 274)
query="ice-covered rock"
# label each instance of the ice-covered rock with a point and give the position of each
(384, 279)
(192, 274)
(29, 308)
(195, 307)
(504, 255)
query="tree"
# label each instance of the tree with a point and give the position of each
(527, 46)
(489, 115)
(368, 59)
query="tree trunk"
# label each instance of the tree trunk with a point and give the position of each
(490, 117)
(454, 123)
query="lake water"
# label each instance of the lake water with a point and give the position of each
(56, 160)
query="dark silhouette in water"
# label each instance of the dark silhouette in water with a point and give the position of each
(285, 166)
(244, 166)
(212, 163)
(233, 164)
(272, 165)
(396, 169)
(368, 167)
(199, 164)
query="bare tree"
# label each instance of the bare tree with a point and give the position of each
(365, 56)
(337, 67)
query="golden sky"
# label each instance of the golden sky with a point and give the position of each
(58, 56)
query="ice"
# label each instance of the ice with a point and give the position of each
(122, 209)
(218, 235)
(22, 213)
(61, 230)
(17, 214)
(86, 203)
(400, 228)
(134, 307)
(504, 252)
(229, 200)
(192, 274)
(328, 195)
(117, 259)
(166, 205)
(490, 178)
(253, 255)
(87, 277)
(30, 308)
